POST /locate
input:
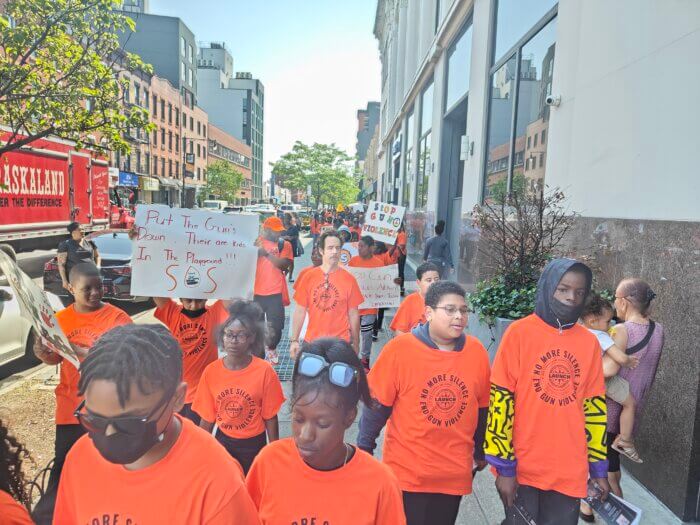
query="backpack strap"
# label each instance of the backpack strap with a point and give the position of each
(280, 245)
(645, 341)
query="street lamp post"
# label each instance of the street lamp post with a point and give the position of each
(187, 158)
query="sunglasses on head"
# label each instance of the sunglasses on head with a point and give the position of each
(123, 424)
(339, 374)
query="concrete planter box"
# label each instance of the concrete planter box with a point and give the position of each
(489, 335)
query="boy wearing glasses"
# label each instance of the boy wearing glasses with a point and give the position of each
(141, 462)
(83, 322)
(433, 388)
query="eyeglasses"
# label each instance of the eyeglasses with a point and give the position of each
(452, 310)
(123, 424)
(339, 374)
(237, 336)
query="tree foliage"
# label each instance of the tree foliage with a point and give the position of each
(325, 168)
(223, 181)
(61, 70)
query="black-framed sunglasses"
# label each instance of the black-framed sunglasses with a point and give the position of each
(339, 374)
(124, 424)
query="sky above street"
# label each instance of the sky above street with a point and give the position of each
(318, 60)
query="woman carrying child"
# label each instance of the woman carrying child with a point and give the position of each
(241, 393)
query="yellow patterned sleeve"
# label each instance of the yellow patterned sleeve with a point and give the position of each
(596, 415)
(498, 442)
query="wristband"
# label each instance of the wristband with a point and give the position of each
(294, 340)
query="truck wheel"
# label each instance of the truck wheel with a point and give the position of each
(9, 250)
(30, 359)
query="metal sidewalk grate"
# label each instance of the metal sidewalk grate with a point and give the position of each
(286, 366)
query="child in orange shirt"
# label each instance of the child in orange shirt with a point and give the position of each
(432, 386)
(83, 322)
(315, 475)
(141, 461)
(412, 310)
(14, 496)
(241, 392)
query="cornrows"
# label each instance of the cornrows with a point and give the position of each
(147, 355)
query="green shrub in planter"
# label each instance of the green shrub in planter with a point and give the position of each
(495, 298)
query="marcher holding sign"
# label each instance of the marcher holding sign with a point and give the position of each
(193, 253)
(365, 259)
(331, 297)
(382, 221)
(83, 322)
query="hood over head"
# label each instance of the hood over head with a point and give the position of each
(551, 311)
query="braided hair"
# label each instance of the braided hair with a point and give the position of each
(250, 315)
(12, 453)
(146, 355)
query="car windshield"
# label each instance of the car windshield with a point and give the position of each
(214, 205)
(118, 244)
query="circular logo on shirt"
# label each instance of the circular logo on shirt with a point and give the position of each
(444, 400)
(325, 296)
(237, 409)
(556, 377)
(193, 338)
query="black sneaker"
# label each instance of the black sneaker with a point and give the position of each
(375, 337)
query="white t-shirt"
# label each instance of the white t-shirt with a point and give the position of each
(603, 338)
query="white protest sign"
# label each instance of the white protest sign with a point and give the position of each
(382, 221)
(378, 286)
(195, 254)
(36, 308)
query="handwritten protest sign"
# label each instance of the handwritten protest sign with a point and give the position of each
(347, 252)
(36, 308)
(378, 286)
(195, 254)
(382, 221)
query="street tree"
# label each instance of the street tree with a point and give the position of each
(223, 181)
(324, 168)
(61, 73)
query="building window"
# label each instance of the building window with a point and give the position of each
(199, 174)
(146, 98)
(137, 94)
(514, 18)
(170, 168)
(183, 71)
(155, 137)
(162, 167)
(177, 168)
(190, 53)
(155, 106)
(199, 128)
(191, 124)
(523, 81)
(170, 140)
(408, 164)
(155, 165)
(190, 76)
(182, 45)
(424, 157)
(177, 143)
(162, 109)
(162, 137)
(204, 131)
(177, 117)
(458, 67)
(170, 114)
(199, 153)
(438, 17)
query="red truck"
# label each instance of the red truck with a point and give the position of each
(46, 185)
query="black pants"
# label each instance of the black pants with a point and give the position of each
(378, 322)
(66, 436)
(243, 450)
(427, 508)
(274, 315)
(402, 268)
(613, 455)
(546, 507)
(190, 414)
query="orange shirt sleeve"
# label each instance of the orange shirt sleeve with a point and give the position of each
(301, 295)
(401, 319)
(383, 377)
(287, 252)
(64, 512)
(484, 388)
(356, 298)
(166, 313)
(204, 403)
(12, 512)
(273, 396)
(255, 481)
(390, 509)
(506, 366)
(239, 510)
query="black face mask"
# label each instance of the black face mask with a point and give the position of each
(122, 448)
(193, 314)
(564, 313)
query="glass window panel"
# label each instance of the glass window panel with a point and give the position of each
(536, 68)
(500, 116)
(514, 18)
(426, 110)
(424, 165)
(458, 66)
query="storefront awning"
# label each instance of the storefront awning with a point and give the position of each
(169, 183)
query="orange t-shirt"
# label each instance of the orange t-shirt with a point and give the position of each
(269, 280)
(196, 482)
(197, 338)
(81, 330)
(286, 490)
(239, 401)
(302, 273)
(386, 258)
(372, 262)
(12, 512)
(410, 313)
(436, 396)
(550, 374)
(328, 303)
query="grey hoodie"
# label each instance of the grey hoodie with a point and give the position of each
(547, 285)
